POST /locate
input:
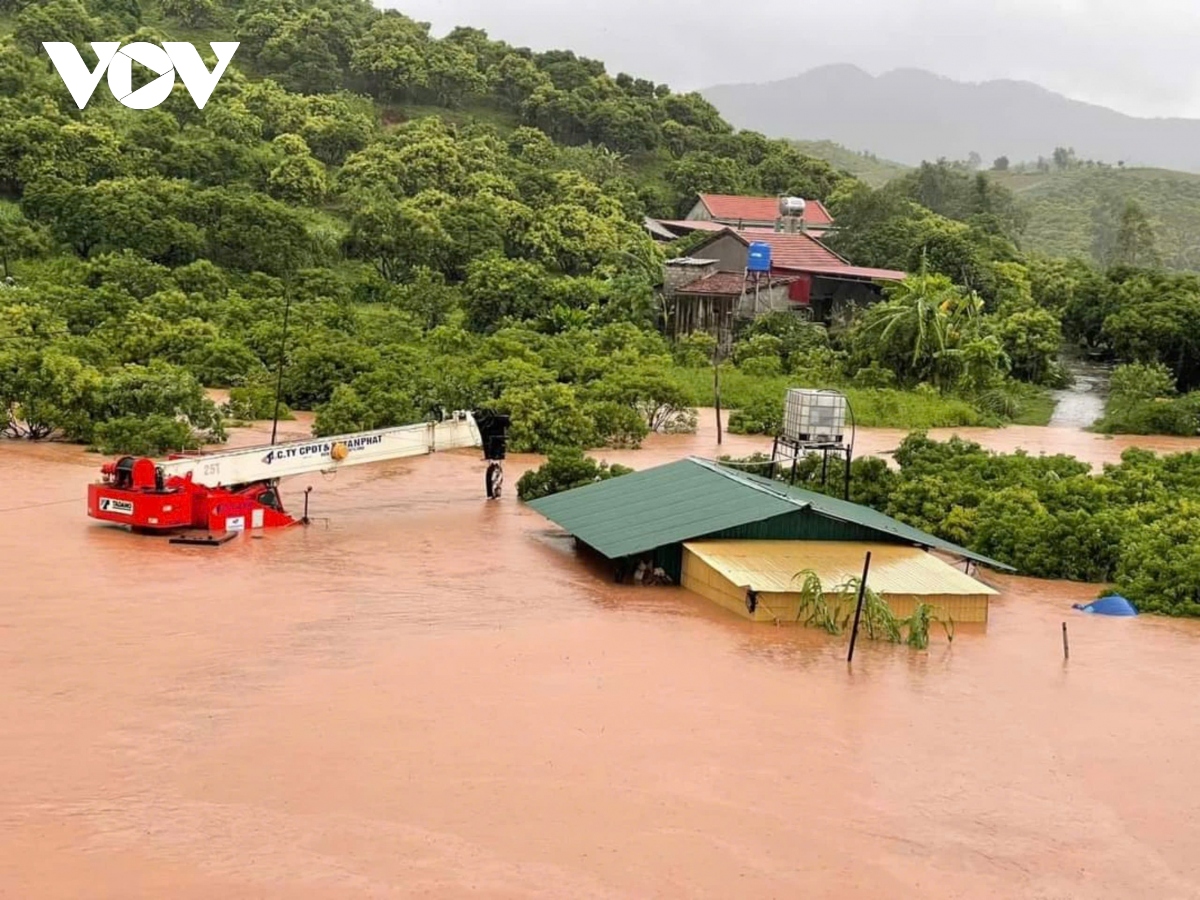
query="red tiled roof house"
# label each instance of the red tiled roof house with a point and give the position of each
(806, 277)
(755, 212)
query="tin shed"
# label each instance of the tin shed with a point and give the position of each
(654, 512)
(762, 580)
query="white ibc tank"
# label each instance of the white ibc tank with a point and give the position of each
(814, 417)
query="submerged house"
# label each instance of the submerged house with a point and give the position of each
(740, 541)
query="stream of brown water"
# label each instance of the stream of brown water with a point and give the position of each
(431, 696)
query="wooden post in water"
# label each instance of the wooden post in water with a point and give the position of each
(1066, 646)
(862, 593)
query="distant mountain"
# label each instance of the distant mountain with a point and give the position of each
(911, 115)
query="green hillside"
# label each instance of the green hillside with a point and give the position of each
(1062, 204)
(864, 166)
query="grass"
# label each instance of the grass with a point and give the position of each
(872, 407)
(1037, 406)
(480, 111)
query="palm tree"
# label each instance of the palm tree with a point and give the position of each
(935, 312)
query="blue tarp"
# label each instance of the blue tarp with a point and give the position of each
(1116, 605)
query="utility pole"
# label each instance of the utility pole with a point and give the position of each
(717, 391)
(287, 309)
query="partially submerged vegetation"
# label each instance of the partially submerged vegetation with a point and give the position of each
(832, 609)
(491, 253)
(1049, 517)
(565, 470)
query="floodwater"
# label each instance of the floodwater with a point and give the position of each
(1082, 404)
(426, 695)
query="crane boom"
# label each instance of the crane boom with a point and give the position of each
(234, 490)
(264, 463)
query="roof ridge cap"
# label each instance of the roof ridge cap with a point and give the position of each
(779, 494)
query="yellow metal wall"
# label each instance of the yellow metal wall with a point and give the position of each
(703, 579)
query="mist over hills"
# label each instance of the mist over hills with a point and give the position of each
(910, 115)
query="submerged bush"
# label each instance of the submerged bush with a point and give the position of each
(145, 436)
(564, 470)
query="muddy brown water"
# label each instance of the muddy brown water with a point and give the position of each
(430, 696)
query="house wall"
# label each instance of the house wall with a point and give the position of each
(699, 213)
(729, 252)
(775, 299)
(834, 301)
(802, 525)
(676, 277)
(714, 313)
(701, 578)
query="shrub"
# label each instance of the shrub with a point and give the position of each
(762, 415)
(564, 469)
(762, 366)
(695, 351)
(144, 436)
(617, 425)
(255, 402)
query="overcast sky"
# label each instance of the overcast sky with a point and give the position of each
(1139, 56)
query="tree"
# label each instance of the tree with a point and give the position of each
(395, 235)
(18, 237)
(452, 74)
(1032, 340)
(515, 79)
(545, 417)
(45, 392)
(1001, 164)
(298, 178)
(660, 400)
(497, 288)
(1136, 244)
(390, 55)
(1064, 158)
(192, 13)
(702, 172)
(920, 329)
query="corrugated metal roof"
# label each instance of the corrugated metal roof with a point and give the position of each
(772, 566)
(656, 507)
(858, 272)
(692, 498)
(659, 231)
(727, 284)
(760, 209)
(696, 225)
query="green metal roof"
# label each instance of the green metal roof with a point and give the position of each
(692, 498)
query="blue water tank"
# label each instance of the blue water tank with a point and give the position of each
(1114, 605)
(760, 257)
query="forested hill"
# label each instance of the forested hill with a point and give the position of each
(416, 193)
(667, 145)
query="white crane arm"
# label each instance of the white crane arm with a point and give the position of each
(264, 463)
